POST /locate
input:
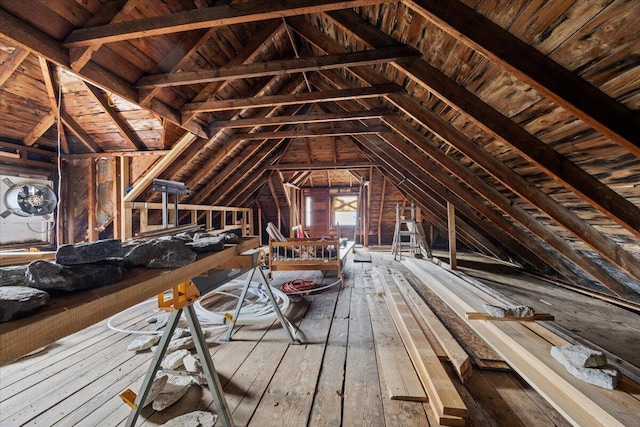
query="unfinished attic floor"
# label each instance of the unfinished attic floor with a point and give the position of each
(332, 379)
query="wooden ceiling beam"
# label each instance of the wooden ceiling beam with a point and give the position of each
(502, 128)
(300, 119)
(322, 166)
(20, 33)
(82, 135)
(178, 148)
(12, 63)
(39, 129)
(277, 67)
(290, 99)
(52, 95)
(130, 136)
(111, 12)
(314, 132)
(603, 113)
(268, 32)
(205, 18)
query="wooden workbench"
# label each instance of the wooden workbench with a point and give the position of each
(67, 314)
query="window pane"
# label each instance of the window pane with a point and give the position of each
(345, 218)
(307, 211)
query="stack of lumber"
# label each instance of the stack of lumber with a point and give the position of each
(444, 400)
(526, 347)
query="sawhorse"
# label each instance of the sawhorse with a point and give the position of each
(184, 295)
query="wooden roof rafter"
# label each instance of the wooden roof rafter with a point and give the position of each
(12, 63)
(501, 127)
(210, 17)
(18, 32)
(123, 128)
(497, 199)
(53, 95)
(585, 101)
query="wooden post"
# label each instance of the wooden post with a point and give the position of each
(117, 199)
(126, 232)
(69, 204)
(92, 233)
(384, 187)
(451, 217)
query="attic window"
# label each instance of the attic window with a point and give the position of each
(345, 210)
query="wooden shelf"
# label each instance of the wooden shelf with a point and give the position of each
(70, 313)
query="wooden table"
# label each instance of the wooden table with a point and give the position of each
(67, 314)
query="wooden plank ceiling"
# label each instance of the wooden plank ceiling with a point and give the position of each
(523, 114)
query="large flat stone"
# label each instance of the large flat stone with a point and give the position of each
(578, 355)
(606, 377)
(174, 360)
(509, 310)
(143, 342)
(13, 275)
(49, 276)
(176, 387)
(159, 253)
(89, 253)
(193, 419)
(16, 301)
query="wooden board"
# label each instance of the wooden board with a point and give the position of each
(529, 355)
(458, 357)
(401, 380)
(69, 314)
(443, 397)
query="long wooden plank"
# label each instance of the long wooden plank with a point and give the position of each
(458, 357)
(443, 397)
(12, 63)
(291, 99)
(587, 102)
(313, 132)
(400, 377)
(299, 119)
(580, 403)
(283, 66)
(66, 315)
(142, 184)
(205, 18)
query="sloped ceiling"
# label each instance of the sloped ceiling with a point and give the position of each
(522, 114)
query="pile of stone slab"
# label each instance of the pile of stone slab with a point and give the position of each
(81, 266)
(587, 365)
(168, 389)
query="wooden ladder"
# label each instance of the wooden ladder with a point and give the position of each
(406, 227)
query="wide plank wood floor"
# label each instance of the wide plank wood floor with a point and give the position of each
(330, 380)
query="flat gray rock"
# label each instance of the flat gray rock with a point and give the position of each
(207, 244)
(13, 275)
(579, 356)
(192, 363)
(174, 360)
(509, 310)
(16, 301)
(606, 377)
(176, 387)
(180, 333)
(159, 253)
(89, 253)
(143, 342)
(49, 276)
(180, 344)
(193, 419)
(156, 387)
